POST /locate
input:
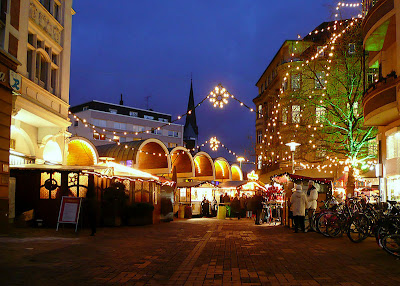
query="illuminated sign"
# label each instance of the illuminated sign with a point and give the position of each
(252, 176)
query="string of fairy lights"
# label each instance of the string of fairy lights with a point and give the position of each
(215, 144)
(273, 121)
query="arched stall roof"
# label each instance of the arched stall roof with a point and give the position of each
(183, 161)
(237, 174)
(204, 166)
(150, 155)
(222, 169)
(81, 152)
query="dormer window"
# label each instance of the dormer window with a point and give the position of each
(133, 114)
(113, 111)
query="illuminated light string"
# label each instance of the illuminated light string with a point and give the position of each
(346, 5)
(166, 183)
(332, 41)
(213, 145)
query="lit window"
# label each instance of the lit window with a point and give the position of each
(372, 148)
(163, 119)
(260, 111)
(295, 81)
(259, 137)
(320, 80)
(284, 115)
(116, 138)
(133, 113)
(148, 117)
(296, 113)
(85, 108)
(319, 113)
(96, 136)
(393, 146)
(355, 108)
(113, 111)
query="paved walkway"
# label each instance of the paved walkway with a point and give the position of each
(192, 252)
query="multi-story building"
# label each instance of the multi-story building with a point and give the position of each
(282, 118)
(120, 123)
(9, 20)
(381, 30)
(41, 40)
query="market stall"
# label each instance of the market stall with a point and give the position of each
(189, 196)
(287, 181)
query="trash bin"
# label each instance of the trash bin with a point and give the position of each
(188, 212)
(221, 214)
(181, 211)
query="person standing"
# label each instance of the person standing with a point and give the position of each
(312, 197)
(242, 201)
(258, 204)
(298, 202)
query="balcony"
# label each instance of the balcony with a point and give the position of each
(378, 15)
(380, 103)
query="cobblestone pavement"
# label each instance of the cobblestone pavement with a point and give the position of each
(192, 252)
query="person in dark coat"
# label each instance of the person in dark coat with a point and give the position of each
(235, 207)
(205, 206)
(258, 205)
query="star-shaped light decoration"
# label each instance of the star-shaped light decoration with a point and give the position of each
(219, 96)
(214, 143)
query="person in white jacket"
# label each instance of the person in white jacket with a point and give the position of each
(298, 202)
(312, 197)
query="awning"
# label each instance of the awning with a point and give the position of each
(194, 184)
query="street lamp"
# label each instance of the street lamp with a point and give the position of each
(240, 160)
(293, 146)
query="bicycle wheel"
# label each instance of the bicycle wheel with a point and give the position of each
(333, 226)
(322, 222)
(391, 244)
(358, 228)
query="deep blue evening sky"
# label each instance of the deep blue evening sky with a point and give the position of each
(149, 48)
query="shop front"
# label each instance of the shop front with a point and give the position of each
(190, 195)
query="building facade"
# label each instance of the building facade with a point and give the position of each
(381, 30)
(41, 41)
(280, 115)
(8, 64)
(120, 123)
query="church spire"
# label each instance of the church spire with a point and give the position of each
(191, 130)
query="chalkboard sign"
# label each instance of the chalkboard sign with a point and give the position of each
(69, 211)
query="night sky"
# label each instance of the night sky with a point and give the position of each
(151, 48)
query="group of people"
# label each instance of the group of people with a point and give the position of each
(242, 206)
(300, 202)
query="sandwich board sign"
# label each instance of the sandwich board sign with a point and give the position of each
(69, 211)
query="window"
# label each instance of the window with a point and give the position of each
(99, 122)
(56, 12)
(49, 185)
(156, 131)
(320, 80)
(320, 51)
(355, 108)
(372, 148)
(113, 111)
(260, 111)
(259, 162)
(259, 137)
(119, 125)
(173, 134)
(76, 123)
(85, 108)
(370, 78)
(46, 4)
(284, 115)
(352, 48)
(163, 119)
(172, 145)
(133, 114)
(148, 117)
(96, 136)
(53, 79)
(296, 113)
(30, 39)
(393, 146)
(29, 62)
(262, 87)
(41, 69)
(122, 139)
(177, 134)
(116, 138)
(54, 58)
(284, 85)
(295, 81)
(319, 113)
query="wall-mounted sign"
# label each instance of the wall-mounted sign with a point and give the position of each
(15, 81)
